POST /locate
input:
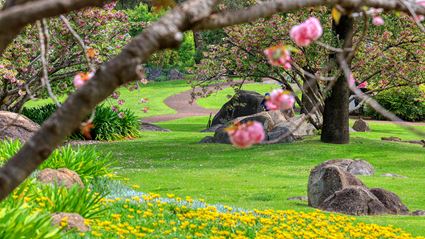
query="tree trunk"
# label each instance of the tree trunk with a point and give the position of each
(336, 113)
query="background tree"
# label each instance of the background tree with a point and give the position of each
(104, 32)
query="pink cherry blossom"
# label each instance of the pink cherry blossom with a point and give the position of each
(279, 56)
(362, 85)
(81, 78)
(246, 134)
(378, 21)
(280, 100)
(1, 66)
(307, 32)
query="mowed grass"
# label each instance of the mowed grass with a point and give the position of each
(264, 176)
(156, 92)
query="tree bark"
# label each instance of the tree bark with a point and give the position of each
(335, 128)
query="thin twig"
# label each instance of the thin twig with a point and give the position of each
(44, 46)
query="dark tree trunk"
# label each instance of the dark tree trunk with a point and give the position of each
(336, 113)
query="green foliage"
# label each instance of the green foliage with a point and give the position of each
(184, 57)
(107, 123)
(8, 148)
(86, 162)
(39, 114)
(22, 222)
(109, 126)
(83, 201)
(407, 103)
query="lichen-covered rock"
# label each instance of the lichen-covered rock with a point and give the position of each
(151, 127)
(361, 126)
(353, 166)
(354, 200)
(390, 200)
(69, 221)
(326, 180)
(62, 176)
(16, 127)
(243, 104)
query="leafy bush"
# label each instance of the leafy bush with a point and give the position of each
(8, 148)
(184, 57)
(23, 222)
(407, 103)
(109, 126)
(86, 162)
(53, 198)
(107, 123)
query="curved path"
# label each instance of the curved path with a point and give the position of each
(181, 104)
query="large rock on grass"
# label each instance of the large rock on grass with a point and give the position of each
(151, 127)
(62, 176)
(69, 221)
(16, 127)
(361, 126)
(390, 200)
(242, 104)
(354, 200)
(324, 181)
(332, 187)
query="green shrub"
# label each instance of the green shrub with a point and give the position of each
(107, 124)
(23, 222)
(8, 148)
(87, 162)
(408, 103)
(184, 57)
(39, 114)
(83, 201)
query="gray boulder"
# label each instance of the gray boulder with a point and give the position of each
(207, 140)
(418, 213)
(361, 126)
(175, 74)
(151, 127)
(324, 181)
(16, 127)
(354, 200)
(390, 200)
(212, 128)
(242, 104)
(356, 167)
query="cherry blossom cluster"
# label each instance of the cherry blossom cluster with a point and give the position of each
(279, 56)
(307, 32)
(244, 135)
(280, 100)
(352, 82)
(81, 78)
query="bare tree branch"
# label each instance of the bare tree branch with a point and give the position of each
(13, 19)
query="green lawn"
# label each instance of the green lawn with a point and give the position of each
(156, 92)
(265, 176)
